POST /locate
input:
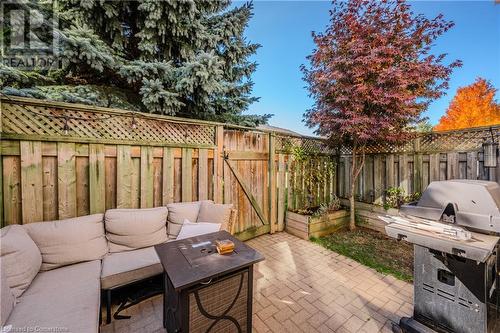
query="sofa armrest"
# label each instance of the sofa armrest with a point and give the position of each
(233, 217)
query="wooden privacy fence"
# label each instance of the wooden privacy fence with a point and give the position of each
(412, 166)
(61, 160)
(430, 157)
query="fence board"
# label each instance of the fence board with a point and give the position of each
(66, 179)
(97, 174)
(327, 187)
(203, 174)
(443, 166)
(378, 187)
(389, 171)
(50, 198)
(123, 177)
(425, 173)
(177, 179)
(157, 182)
(82, 186)
(146, 177)
(187, 174)
(452, 165)
(194, 178)
(31, 181)
(110, 182)
(12, 190)
(321, 181)
(472, 165)
(135, 187)
(403, 172)
(368, 179)
(417, 172)
(219, 165)
(168, 176)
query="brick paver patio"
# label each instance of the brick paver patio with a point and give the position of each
(302, 287)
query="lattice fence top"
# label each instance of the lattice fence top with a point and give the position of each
(461, 140)
(286, 144)
(470, 139)
(382, 148)
(48, 122)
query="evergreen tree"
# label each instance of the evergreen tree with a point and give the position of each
(186, 58)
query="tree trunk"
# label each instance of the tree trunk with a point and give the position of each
(355, 171)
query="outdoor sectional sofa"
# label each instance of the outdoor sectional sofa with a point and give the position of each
(54, 273)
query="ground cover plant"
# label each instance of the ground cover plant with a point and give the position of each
(373, 249)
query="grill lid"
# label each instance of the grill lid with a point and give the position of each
(463, 203)
(469, 203)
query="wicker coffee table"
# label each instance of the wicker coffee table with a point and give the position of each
(206, 291)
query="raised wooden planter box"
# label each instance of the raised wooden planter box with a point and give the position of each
(307, 226)
(369, 214)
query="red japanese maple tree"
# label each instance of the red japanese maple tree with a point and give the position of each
(372, 75)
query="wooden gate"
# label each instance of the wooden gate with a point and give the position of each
(246, 175)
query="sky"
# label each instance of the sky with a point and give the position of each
(283, 28)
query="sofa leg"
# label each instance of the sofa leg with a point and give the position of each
(108, 306)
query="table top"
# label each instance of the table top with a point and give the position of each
(192, 260)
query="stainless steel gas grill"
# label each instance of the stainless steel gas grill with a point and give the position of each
(455, 227)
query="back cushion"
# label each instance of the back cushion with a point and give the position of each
(130, 229)
(215, 213)
(180, 211)
(66, 242)
(21, 258)
(190, 229)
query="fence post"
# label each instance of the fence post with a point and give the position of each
(272, 184)
(218, 165)
(378, 186)
(417, 166)
(281, 194)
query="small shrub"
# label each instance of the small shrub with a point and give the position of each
(325, 208)
(360, 221)
(396, 196)
(335, 203)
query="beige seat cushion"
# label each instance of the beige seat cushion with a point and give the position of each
(180, 211)
(69, 241)
(122, 268)
(215, 213)
(7, 299)
(21, 258)
(66, 298)
(131, 229)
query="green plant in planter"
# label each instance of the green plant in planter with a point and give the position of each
(396, 196)
(325, 208)
(311, 174)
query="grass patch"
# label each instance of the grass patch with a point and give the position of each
(373, 249)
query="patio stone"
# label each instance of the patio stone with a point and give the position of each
(301, 287)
